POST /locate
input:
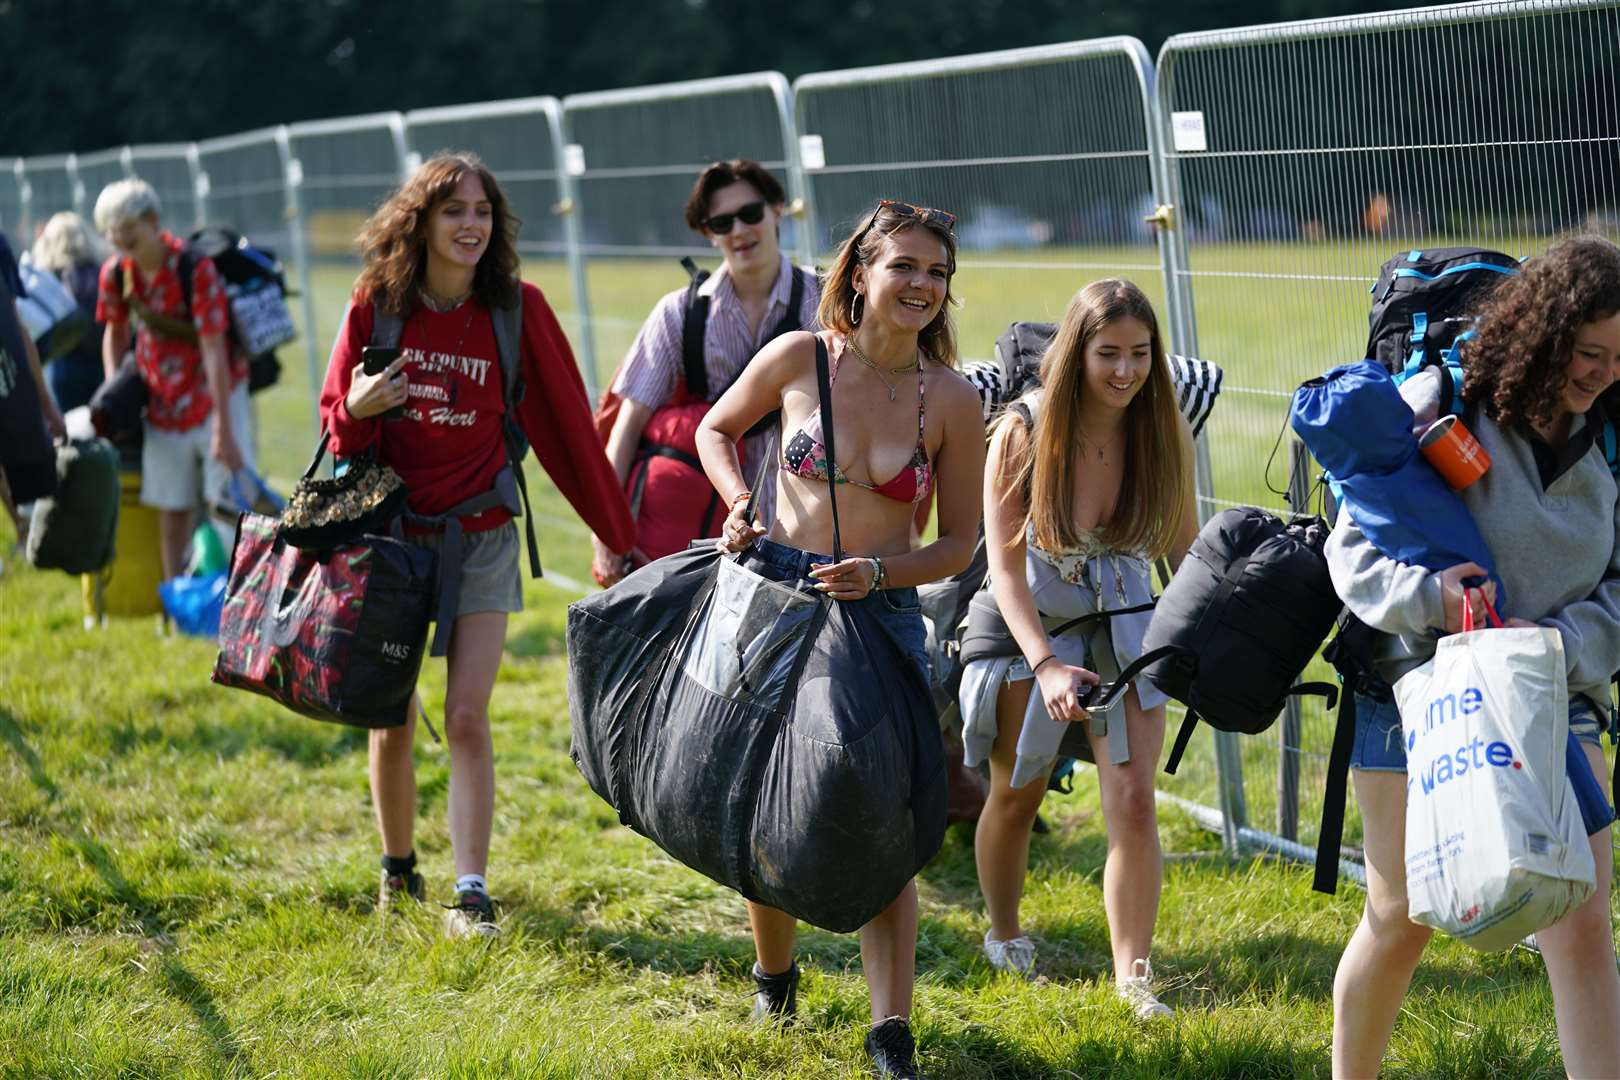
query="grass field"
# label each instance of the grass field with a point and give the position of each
(189, 873)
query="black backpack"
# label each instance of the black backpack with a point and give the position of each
(256, 290)
(1244, 614)
(1423, 301)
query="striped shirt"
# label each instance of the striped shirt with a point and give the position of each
(650, 369)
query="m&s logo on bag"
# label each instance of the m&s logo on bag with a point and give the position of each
(1449, 764)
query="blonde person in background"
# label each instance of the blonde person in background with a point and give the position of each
(198, 425)
(69, 248)
(1078, 501)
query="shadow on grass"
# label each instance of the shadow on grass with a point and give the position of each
(298, 740)
(11, 734)
(177, 979)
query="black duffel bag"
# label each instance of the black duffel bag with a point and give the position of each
(1244, 614)
(780, 742)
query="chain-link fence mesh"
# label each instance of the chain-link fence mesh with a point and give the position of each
(638, 153)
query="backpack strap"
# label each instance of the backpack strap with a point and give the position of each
(695, 322)
(1330, 835)
(1182, 738)
(790, 318)
(386, 328)
(166, 326)
(1323, 689)
(509, 344)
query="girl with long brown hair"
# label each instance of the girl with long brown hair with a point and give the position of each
(1089, 479)
(1539, 389)
(441, 257)
(905, 424)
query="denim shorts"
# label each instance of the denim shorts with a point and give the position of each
(898, 610)
(1379, 747)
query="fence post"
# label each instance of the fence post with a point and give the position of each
(292, 172)
(568, 207)
(798, 190)
(25, 200)
(1290, 733)
(199, 184)
(75, 185)
(1167, 221)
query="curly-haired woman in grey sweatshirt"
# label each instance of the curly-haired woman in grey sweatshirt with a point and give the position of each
(1539, 377)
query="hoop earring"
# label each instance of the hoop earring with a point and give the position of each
(854, 318)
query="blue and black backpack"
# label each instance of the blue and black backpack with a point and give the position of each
(1422, 313)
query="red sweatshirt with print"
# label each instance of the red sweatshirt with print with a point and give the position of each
(448, 447)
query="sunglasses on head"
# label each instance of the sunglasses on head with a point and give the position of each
(751, 214)
(925, 214)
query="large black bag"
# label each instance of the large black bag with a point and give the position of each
(775, 740)
(73, 530)
(1245, 613)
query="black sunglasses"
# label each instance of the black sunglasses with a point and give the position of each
(925, 214)
(751, 214)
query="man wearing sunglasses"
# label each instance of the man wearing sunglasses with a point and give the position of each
(710, 331)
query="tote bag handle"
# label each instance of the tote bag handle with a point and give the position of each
(1491, 617)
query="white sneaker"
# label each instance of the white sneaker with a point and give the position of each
(1016, 956)
(1137, 990)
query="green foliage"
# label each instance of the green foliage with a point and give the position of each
(86, 74)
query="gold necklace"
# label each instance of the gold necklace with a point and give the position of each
(1101, 450)
(860, 354)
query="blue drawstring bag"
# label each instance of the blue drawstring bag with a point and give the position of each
(195, 603)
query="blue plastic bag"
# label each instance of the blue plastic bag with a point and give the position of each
(195, 603)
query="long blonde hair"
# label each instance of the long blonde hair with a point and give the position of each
(1153, 492)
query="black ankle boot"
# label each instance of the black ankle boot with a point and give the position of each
(775, 995)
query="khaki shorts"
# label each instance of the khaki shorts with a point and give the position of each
(178, 472)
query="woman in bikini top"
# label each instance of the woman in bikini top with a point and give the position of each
(886, 324)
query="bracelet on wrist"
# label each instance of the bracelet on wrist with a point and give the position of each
(877, 572)
(739, 497)
(1044, 659)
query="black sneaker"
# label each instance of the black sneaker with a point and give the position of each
(472, 915)
(396, 888)
(892, 1049)
(776, 996)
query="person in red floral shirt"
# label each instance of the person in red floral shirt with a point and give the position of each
(191, 448)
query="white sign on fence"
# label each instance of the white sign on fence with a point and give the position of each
(1187, 128)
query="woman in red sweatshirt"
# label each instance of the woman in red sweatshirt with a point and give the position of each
(441, 257)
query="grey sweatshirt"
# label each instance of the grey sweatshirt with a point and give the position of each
(1555, 551)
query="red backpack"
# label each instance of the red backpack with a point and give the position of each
(670, 496)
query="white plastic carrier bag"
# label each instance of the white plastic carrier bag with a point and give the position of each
(1495, 846)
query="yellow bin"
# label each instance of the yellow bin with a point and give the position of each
(129, 584)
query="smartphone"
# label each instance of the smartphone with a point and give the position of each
(375, 359)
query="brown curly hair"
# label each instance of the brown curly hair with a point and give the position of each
(394, 240)
(1517, 362)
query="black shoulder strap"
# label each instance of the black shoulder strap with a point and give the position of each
(509, 344)
(790, 318)
(386, 328)
(1330, 834)
(695, 322)
(824, 388)
(188, 267)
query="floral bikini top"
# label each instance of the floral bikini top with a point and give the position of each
(805, 455)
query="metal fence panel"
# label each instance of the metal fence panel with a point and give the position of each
(11, 202)
(639, 152)
(1043, 154)
(172, 170)
(1304, 155)
(96, 170)
(521, 141)
(52, 184)
(1046, 156)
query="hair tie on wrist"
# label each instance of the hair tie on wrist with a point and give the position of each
(1044, 659)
